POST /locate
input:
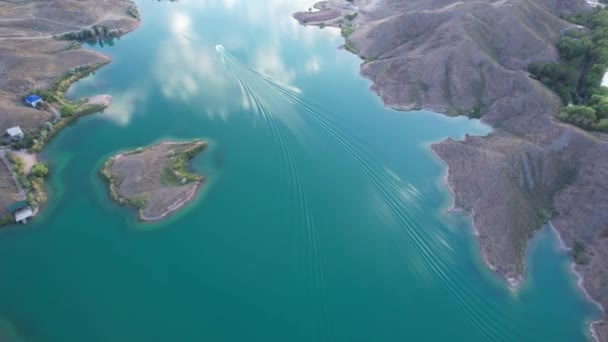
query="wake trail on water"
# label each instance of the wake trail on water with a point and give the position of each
(396, 200)
(314, 266)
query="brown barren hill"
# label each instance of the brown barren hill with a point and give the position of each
(40, 53)
(35, 51)
(154, 180)
(471, 58)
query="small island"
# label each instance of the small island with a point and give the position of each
(155, 180)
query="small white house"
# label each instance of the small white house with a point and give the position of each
(15, 133)
(23, 214)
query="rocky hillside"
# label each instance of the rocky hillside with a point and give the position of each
(447, 55)
(471, 58)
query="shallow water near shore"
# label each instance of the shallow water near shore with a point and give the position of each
(322, 218)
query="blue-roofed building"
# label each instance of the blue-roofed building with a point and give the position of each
(33, 100)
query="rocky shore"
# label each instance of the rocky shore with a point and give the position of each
(34, 58)
(154, 179)
(471, 58)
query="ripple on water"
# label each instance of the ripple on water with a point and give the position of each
(397, 203)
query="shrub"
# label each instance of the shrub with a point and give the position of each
(67, 110)
(40, 170)
(351, 17)
(16, 163)
(582, 116)
(602, 125)
(25, 183)
(579, 254)
(570, 48)
(347, 30)
(577, 77)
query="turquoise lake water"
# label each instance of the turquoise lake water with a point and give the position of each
(323, 218)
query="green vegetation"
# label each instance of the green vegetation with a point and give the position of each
(95, 33)
(69, 110)
(106, 174)
(19, 169)
(577, 77)
(138, 202)
(57, 90)
(544, 215)
(40, 170)
(171, 166)
(584, 116)
(73, 45)
(27, 141)
(133, 12)
(350, 17)
(477, 111)
(579, 254)
(54, 97)
(349, 46)
(347, 30)
(168, 177)
(367, 59)
(176, 173)
(32, 183)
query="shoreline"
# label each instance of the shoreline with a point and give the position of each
(513, 284)
(509, 145)
(171, 174)
(175, 206)
(62, 111)
(580, 283)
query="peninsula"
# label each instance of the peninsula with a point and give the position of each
(473, 58)
(41, 58)
(154, 180)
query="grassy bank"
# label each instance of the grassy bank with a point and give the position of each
(54, 96)
(173, 172)
(45, 134)
(32, 183)
(56, 92)
(347, 30)
(577, 77)
(176, 173)
(69, 110)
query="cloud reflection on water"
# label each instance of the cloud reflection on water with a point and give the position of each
(124, 105)
(188, 68)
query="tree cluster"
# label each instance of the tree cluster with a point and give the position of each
(578, 75)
